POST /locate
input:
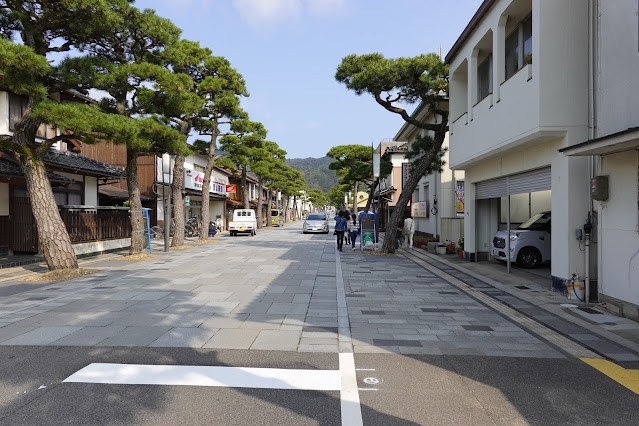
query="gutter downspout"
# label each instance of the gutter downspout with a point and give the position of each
(592, 46)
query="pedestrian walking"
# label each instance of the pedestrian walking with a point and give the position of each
(409, 231)
(341, 223)
(353, 230)
(399, 236)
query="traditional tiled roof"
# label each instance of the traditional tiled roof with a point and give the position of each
(11, 169)
(75, 163)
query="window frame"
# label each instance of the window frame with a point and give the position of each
(489, 62)
(519, 49)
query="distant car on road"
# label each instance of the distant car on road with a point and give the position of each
(529, 243)
(316, 222)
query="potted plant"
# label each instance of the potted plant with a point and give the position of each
(450, 247)
(460, 248)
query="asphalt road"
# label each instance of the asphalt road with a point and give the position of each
(549, 387)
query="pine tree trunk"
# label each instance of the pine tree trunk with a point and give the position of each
(178, 201)
(53, 236)
(135, 213)
(285, 204)
(421, 169)
(268, 208)
(260, 209)
(245, 189)
(371, 195)
(355, 185)
(206, 213)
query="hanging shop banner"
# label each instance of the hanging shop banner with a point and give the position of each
(405, 174)
(230, 189)
(194, 180)
(420, 209)
(459, 196)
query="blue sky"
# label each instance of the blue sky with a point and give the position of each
(288, 50)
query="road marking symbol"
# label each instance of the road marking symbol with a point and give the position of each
(185, 375)
(626, 378)
(371, 381)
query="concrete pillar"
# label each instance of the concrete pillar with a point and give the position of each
(472, 82)
(499, 47)
(569, 213)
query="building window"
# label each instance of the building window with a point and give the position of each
(198, 168)
(17, 107)
(416, 195)
(70, 195)
(485, 78)
(519, 47)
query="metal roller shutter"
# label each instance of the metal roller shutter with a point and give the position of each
(493, 188)
(532, 181)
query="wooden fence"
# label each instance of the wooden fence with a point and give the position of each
(95, 225)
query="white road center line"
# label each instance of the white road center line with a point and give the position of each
(184, 375)
(349, 397)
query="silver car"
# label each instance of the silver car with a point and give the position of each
(316, 222)
(529, 243)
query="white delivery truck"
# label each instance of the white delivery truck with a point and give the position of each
(244, 221)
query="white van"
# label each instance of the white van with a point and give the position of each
(244, 221)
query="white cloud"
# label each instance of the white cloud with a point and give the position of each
(268, 13)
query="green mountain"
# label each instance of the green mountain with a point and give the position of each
(315, 171)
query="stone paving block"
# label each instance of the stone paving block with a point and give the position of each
(232, 339)
(318, 341)
(152, 306)
(185, 337)
(286, 308)
(10, 331)
(225, 321)
(89, 336)
(151, 295)
(218, 307)
(41, 336)
(135, 336)
(183, 320)
(263, 322)
(136, 319)
(318, 348)
(253, 307)
(277, 340)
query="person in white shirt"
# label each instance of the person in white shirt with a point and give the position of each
(409, 231)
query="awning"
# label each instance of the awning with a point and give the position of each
(234, 203)
(625, 140)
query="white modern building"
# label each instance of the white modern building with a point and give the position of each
(518, 94)
(437, 205)
(612, 147)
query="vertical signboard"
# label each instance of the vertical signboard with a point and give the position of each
(459, 198)
(405, 174)
(368, 237)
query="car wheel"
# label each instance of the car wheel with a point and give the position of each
(253, 233)
(528, 258)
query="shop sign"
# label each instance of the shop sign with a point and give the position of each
(230, 189)
(420, 209)
(195, 180)
(187, 200)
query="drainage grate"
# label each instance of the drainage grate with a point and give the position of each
(522, 287)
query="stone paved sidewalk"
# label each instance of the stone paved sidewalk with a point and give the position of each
(276, 291)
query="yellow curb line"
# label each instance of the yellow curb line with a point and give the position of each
(626, 378)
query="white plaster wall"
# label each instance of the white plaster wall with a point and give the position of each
(541, 100)
(216, 208)
(619, 238)
(618, 67)
(100, 246)
(4, 199)
(4, 113)
(90, 191)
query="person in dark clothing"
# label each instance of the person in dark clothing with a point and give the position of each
(341, 223)
(353, 230)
